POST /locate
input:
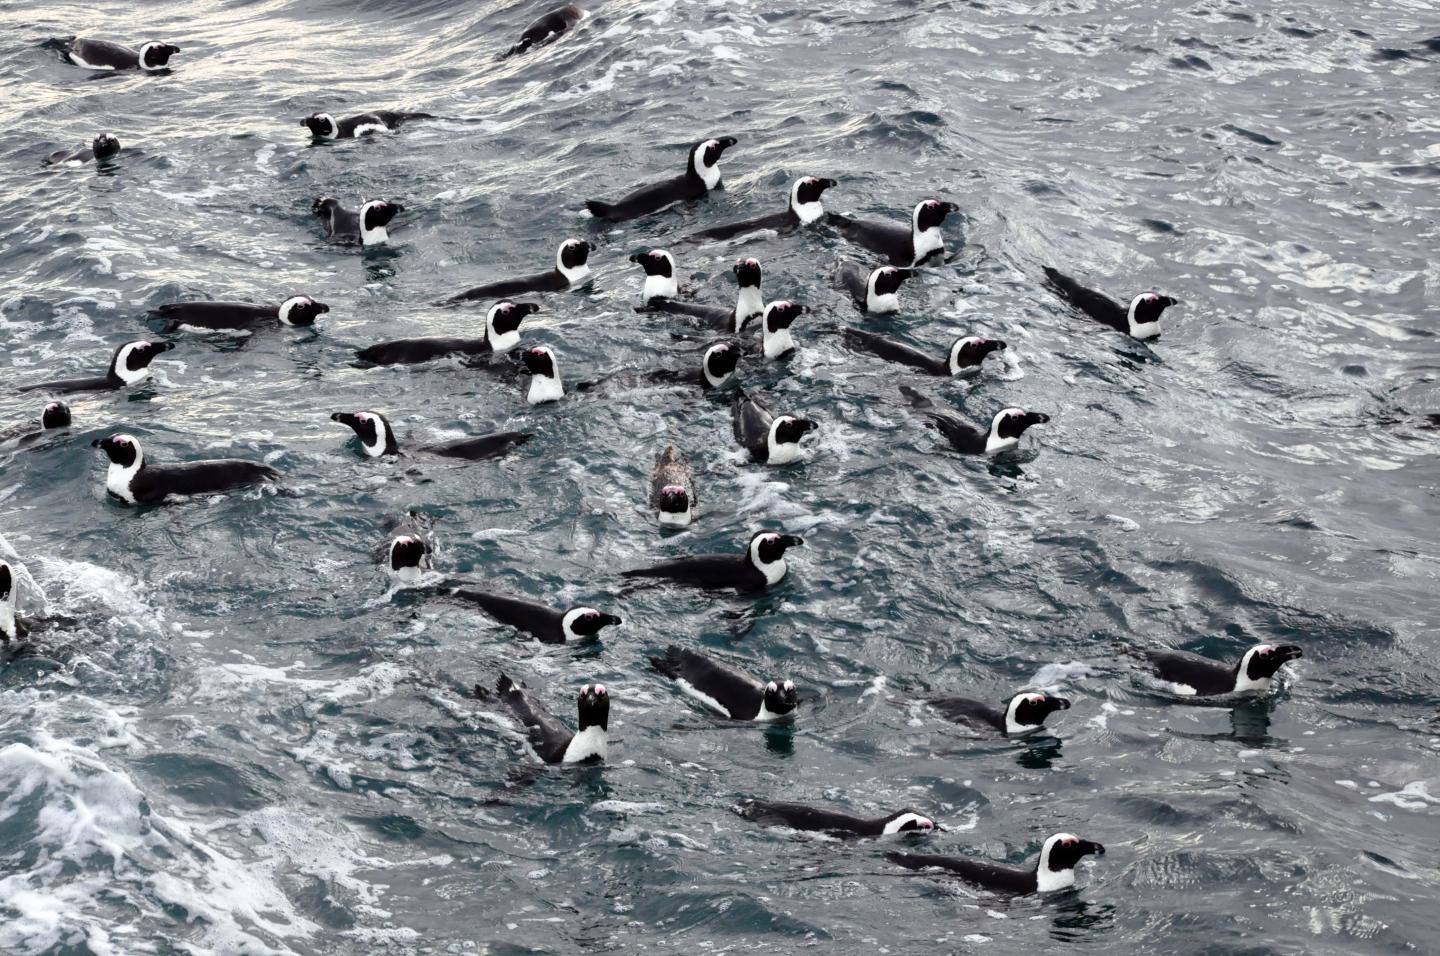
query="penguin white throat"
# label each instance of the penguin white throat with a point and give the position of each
(1048, 880)
(806, 212)
(660, 287)
(749, 304)
(775, 570)
(1012, 723)
(994, 442)
(499, 341)
(592, 743)
(709, 175)
(927, 241)
(881, 303)
(1141, 330)
(376, 236)
(7, 617)
(545, 388)
(130, 376)
(574, 274)
(777, 343)
(118, 478)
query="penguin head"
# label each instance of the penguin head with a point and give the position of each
(782, 313)
(540, 360)
(7, 581)
(594, 706)
(104, 146)
(377, 213)
(1010, 423)
(767, 547)
(1027, 712)
(786, 429)
(887, 280)
(674, 500)
(581, 622)
(155, 54)
(705, 159)
(930, 213)
(504, 319)
(967, 352)
(720, 362)
(808, 189)
(373, 430)
(1262, 661)
(747, 272)
(1063, 851)
(122, 450)
(321, 125)
(907, 821)
(572, 255)
(1144, 313)
(55, 415)
(301, 310)
(656, 262)
(409, 552)
(131, 362)
(780, 696)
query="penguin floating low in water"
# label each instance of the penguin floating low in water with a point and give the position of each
(101, 148)
(804, 210)
(749, 303)
(761, 565)
(502, 333)
(1005, 428)
(1191, 675)
(771, 439)
(660, 279)
(298, 311)
(554, 743)
(716, 368)
(1141, 320)
(133, 480)
(702, 174)
(798, 816)
(325, 126)
(672, 489)
(875, 290)
(366, 227)
(775, 338)
(377, 439)
(546, 625)
(408, 551)
(545, 384)
(54, 418)
(964, 359)
(724, 689)
(1022, 714)
(911, 247)
(1055, 870)
(105, 55)
(129, 365)
(547, 28)
(571, 270)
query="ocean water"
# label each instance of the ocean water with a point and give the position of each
(248, 743)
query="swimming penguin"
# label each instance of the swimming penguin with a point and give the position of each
(1022, 714)
(133, 480)
(804, 210)
(545, 384)
(553, 743)
(296, 311)
(104, 55)
(571, 269)
(775, 338)
(1055, 870)
(11, 627)
(366, 227)
(672, 489)
(702, 174)
(903, 246)
(377, 439)
(545, 624)
(729, 692)
(875, 290)
(502, 333)
(408, 557)
(130, 365)
(1141, 320)
(54, 417)
(103, 147)
(325, 126)
(1194, 676)
(716, 368)
(965, 357)
(547, 28)
(660, 281)
(798, 816)
(770, 439)
(1005, 428)
(749, 303)
(760, 566)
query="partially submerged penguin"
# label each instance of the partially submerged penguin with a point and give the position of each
(726, 690)
(798, 816)
(761, 565)
(101, 148)
(377, 439)
(702, 174)
(129, 365)
(552, 741)
(1054, 870)
(1140, 320)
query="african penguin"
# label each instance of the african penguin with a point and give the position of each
(133, 480)
(717, 366)
(502, 333)
(408, 557)
(1021, 714)
(103, 147)
(11, 627)
(770, 439)
(804, 209)
(547, 28)
(571, 270)
(129, 365)
(660, 280)
(965, 357)
(702, 174)
(553, 743)
(1141, 320)
(368, 226)
(546, 625)
(1005, 428)
(873, 290)
(749, 304)
(724, 689)
(296, 311)
(377, 439)
(1054, 870)
(672, 489)
(761, 565)
(775, 338)
(105, 55)
(902, 246)
(54, 417)
(798, 816)
(1194, 676)
(325, 126)
(545, 384)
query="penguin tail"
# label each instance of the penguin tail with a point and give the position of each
(417, 116)
(905, 860)
(669, 665)
(916, 398)
(600, 210)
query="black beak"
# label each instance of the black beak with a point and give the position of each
(610, 619)
(637, 257)
(530, 307)
(792, 540)
(97, 443)
(397, 207)
(950, 207)
(726, 142)
(828, 184)
(806, 425)
(166, 346)
(1090, 846)
(1036, 418)
(997, 346)
(322, 307)
(1289, 652)
(1061, 702)
(344, 418)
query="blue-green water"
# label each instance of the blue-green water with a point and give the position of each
(249, 744)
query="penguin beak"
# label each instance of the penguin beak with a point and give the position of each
(1289, 652)
(344, 418)
(828, 184)
(949, 207)
(726, 142)
(530, 307)
(1088, 846)
(610, 620)
(637, 257)
(164, 346)
(806, 425)
(321, 308)
(792, 540)
(98, 443)
(996, 345)
(1061, 703)
(1037, 418)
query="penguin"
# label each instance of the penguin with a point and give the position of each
(798, 816)
(547, 28)
(546, 625)
(101, 148)
(366, 227)
(770, 439)
(1005, 428)
(377, 439)
(660, 281)
(910, 247)
(1194, 676)
(874, 291)
(545, 384)
(134, 481)
(965, 357)
(104, 55)
(130, 365)
(553, 743)
(717, 367)
(295, 312)
(325, 126)
(775, 338)
(672, 489)
(1140, 321)
(408, 557)
(1054, 870)
(11, 627)
(749, 303)
(760, 566)
(54, 417)
(702, 174)
(729, 692)
(804, 210)
(1022, 714)
(571, 270)
(502, 333)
